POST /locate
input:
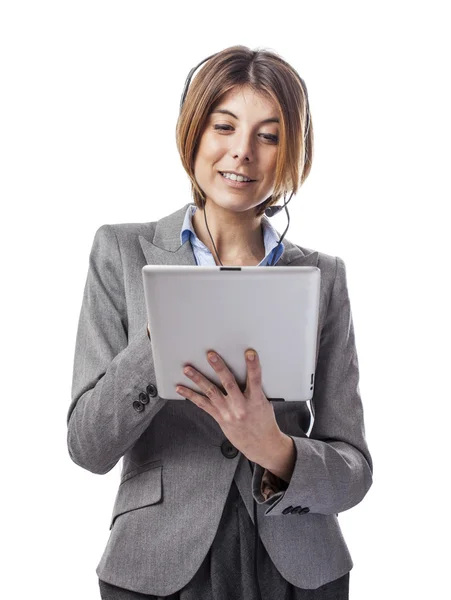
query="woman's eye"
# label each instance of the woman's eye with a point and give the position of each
(267, 136)
(270, 137)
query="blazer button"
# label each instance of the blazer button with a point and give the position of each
(138, 406)
(143, 398)
(151, 390)
(228, 449)
(287, 510)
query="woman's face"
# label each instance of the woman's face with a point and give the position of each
(239, 140)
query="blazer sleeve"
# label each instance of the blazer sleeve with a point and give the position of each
(109, 373)
(333, 469)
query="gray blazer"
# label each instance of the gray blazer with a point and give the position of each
(177, 465)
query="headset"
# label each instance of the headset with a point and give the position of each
(269, 212)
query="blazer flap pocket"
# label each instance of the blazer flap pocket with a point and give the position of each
(137, 490)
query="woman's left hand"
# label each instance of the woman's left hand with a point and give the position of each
(246, 418)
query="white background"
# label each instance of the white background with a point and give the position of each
(90, 94)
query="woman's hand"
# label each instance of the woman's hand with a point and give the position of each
(246, 418)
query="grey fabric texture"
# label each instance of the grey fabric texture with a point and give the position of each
(175, 478)
(227, 571)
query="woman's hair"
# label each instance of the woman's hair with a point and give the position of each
(270, 75)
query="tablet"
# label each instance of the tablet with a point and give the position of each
(193, 309)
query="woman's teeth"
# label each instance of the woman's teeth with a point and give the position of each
(234, 177)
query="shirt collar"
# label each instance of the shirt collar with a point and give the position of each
(270, 237)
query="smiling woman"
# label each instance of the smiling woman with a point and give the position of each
(224, 496)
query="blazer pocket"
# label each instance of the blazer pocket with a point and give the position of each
(139, 488)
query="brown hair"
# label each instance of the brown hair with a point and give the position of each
(269, 74)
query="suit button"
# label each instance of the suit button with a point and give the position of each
(287, 510)
(228, 449)
(143, 398)
(151, 390)
(304, 510)
(138, 406)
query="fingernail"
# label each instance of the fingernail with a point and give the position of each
(250, 355)
(213, 357)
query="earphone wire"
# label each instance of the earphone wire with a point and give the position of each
(268, 214)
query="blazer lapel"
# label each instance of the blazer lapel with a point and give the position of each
(164, 248)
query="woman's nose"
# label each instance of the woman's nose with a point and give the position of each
(242, 147)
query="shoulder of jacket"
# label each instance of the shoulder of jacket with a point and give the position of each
(128, 232)
(325, 261)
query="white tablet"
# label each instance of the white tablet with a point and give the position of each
(194, 309)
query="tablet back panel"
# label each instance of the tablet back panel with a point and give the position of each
(193, 309)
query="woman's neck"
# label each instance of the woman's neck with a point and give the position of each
(237, 236)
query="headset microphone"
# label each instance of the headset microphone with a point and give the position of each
(272, 210)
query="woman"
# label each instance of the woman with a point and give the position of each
(182, 524)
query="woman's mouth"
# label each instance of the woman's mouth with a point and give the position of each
(235, 184)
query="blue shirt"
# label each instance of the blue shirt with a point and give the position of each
(203, 255)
